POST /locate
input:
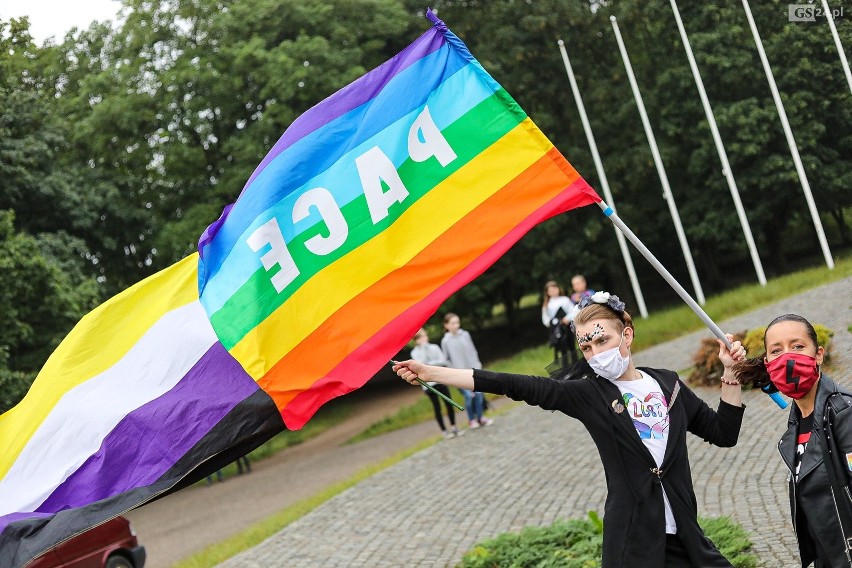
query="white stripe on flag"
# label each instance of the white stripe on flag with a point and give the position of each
(85, 415)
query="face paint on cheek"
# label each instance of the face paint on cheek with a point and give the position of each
(597, 330)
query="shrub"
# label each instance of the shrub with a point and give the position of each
(753, 342)
(577, 543)
(731, 539)
(571, 543)
(708, 367)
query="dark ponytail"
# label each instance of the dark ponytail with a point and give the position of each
(752, 371)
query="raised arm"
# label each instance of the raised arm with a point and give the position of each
(720, 427)
(550, 394)
(732, 391)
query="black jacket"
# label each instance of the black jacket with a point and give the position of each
(634, 514)
(812, 505)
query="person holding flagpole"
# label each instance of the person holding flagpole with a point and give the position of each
(638, 419)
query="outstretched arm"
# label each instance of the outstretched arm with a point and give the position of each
(412, 370)
(569, 397)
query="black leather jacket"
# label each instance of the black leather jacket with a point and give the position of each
(812, 505)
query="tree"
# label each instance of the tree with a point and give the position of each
(176, 107)
(41, 296)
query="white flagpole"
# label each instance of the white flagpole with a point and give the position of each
(622, 244)
(829, 15)
(723, 156)
(702, 315)
(667, 192)
(649, 256)
(803, 178)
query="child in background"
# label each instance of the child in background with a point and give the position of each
(460, 352)
(431, 354)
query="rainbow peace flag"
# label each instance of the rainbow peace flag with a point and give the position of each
(372, 208)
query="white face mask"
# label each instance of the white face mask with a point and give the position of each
(610, 364)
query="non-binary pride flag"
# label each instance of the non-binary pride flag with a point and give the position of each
(372, 208)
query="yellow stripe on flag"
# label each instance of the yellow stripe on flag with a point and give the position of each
(95, 344)
(328, 290)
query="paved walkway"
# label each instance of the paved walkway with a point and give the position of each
(533, 467)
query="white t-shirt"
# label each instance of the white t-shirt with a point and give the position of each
(647, 407)
(548, 312)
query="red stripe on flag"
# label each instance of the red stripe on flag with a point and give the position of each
(388, 324)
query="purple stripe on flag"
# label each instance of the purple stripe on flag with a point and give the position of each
(6, 520)
(152, 438)
(352, 95)
(205, 239)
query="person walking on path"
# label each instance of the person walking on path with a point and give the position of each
(431, 354)
(460, 352)
(556, 310)
(638, 419)
(820, 421)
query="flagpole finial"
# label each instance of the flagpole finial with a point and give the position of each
(436, 21)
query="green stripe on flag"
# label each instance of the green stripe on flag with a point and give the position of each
(469, 136)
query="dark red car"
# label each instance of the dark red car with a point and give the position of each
(110, 545)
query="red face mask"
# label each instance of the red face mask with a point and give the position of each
(793, 373)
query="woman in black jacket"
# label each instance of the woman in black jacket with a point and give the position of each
(638, 419)
(792, 365)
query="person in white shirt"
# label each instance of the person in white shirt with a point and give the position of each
(431, 354)
(556, 312)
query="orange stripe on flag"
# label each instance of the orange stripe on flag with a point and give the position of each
(327, 346)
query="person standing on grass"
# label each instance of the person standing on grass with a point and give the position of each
(556, 310)
(460, 352)
(431, 354)
(820, 418)
(638, 419)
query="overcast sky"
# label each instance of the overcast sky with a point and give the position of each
(55, 17)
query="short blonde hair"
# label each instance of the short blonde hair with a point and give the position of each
(602, 311)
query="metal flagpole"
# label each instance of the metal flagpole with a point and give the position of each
(829, 15)
(649, 256)
(622, 244)
(667, 192)
(803, 178)
(723, 156)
